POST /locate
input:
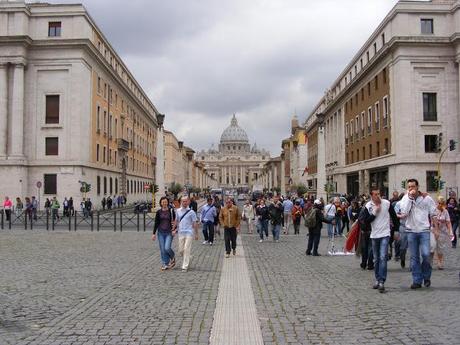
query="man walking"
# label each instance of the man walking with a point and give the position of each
(229, 219)
(417, 208)
(287, 214)
(187, 230)
(208, 215)
(314, 219)
(276, 217)
(55, 208)
(377, 212)
(34, 207)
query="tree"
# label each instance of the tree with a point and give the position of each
(300, 189)
(175, 188)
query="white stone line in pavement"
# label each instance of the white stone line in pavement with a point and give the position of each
(235, 317)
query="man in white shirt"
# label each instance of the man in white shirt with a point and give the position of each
(417, 208)
(187, 229)
(377, 212)
(329, 213)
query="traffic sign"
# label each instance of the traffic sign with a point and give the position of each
(39, 184)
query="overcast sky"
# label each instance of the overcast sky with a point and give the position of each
(200, 61)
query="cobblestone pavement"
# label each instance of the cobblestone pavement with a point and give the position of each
(106, 288)
(102, 288)
(329, 300)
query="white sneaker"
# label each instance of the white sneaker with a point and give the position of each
(260, 241)
(205, 242)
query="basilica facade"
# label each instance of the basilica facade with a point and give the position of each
(235, 163)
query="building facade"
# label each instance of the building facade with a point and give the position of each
(396, 100)
(235, 164)
(70, 110)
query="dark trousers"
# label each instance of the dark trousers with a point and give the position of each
(313, 241)
(345, 223)
(296, 222)
(230, 239)
(367, 257)
(8, 215)
(208, 231)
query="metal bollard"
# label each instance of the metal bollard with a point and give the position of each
(52, 222)
(25, 220)
(121, 221)
(144, 221)
(138, 222)
(2, 224)
(47, 221)
(70, 221)
(115, 221)
(97, 220)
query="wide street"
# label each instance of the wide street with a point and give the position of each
(106, 288)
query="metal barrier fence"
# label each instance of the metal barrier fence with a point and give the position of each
(116, 220)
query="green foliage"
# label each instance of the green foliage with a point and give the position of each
(175, 188)
(300, 189)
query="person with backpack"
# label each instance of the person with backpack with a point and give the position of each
(165, 225)
(263, 217)
(276, 217)
(314, 220)
(297, 213)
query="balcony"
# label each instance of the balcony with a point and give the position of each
(123, 145)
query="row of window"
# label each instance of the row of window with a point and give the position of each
(350, 157)
(364, 125)
(108, 185)
(374, 83)
(426, 28)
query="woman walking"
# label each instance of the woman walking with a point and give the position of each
(442, 231)
(248, 215)
(263, 217)
(165, 223)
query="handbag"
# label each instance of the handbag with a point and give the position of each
(433, 242)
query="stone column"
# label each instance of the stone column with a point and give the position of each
(3, 109)
(159, 167)
(283, 178)
(17, 112)
(321, 175)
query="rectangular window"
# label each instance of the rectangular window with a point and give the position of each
(386, 149)
(98, 84)
(369, 121)
(375, 48)
(346, 133)
(362, 124)
(52, 109)
(383, 39)
(352, 156)
(357, 127)
(103, 155)
(98, 185)
(51, 146)
(431, 185)
(50, 184)
(98, 119)
(351, 131)
(97, 152)
(116, 129)
(378, 148)
(367, 56)
(54, 29)
(376, 82)
(429, 107)
(385, 112)
(426, 26)
(384, 75)
(364, 153)
(370, 151)
(431, 143)
(105, 122)
(377, 116)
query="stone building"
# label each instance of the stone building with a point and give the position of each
(380, 122)
(70, 110)
(235, 164)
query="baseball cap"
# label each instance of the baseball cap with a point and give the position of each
(317, 202)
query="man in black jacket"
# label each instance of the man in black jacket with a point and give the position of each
(314, 233)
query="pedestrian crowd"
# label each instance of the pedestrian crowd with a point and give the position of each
(30, 206)
(411, 225)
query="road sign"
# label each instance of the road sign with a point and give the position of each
(39, 184)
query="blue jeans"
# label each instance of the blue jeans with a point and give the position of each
(276, 228)
(262, 227)
(380, 251)
(165, 242)
(208, 231)
(419, 243)
(338, 225)
(330, 227)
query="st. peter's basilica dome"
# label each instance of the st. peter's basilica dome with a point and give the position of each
(234, 133)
